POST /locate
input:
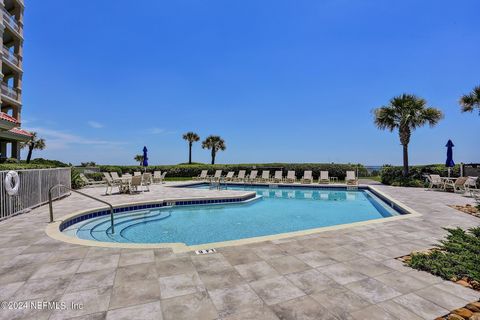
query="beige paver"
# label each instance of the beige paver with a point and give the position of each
(354, 264)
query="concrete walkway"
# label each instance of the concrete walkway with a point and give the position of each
(344, 274)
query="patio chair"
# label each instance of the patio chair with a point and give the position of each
(471, 184)
(351, 178)
(203, 175)
(253, 176)
(435, 181)
(157, 176)
(229, 176)
(137, 173)
(307, 177)
(323, 177)
(291, 177)
(147, 180)
(265, 176)
(240, 176)
(90, 182)
(135, 184)
(278, 176)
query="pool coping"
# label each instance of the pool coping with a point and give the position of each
(53, 229)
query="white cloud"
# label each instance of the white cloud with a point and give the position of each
(60, 140)
(95, 124)
(156, 131)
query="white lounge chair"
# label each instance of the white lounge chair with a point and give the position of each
(90, 183)
(291, 177)
(307, 177)
(278, 176)
(157, 176)
(137, 173)
(164, 174)
(265, 176)
(240, 176)
(351, 178)
(435, 182)
(217, 176)
(323, 177)
(253, 176)
(229, 176)
(115, 176)
(203, 175)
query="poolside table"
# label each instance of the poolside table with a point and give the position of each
(447, 181)
(333, 179)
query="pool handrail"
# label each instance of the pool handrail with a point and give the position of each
(50, 202)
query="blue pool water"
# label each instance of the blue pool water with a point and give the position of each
(278, 210)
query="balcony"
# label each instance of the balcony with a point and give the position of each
(10, 92)
(11, 57)
(11, 21)
(7, 122)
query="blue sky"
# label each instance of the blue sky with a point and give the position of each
(280, 81)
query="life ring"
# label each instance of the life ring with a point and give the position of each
(12, 183)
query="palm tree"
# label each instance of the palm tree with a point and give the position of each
(470, 101)
(191, 137)
(215, 143)
(139, 158)
(34, 143)
(406, 113)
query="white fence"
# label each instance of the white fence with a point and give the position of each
(33, 191)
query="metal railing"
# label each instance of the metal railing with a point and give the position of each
(11, 21)
(9, 91)
(58, 186)
(33, 191)
(10, 56)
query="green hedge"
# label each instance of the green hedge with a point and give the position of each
(335, 170)
(393, 175)
(38, 163)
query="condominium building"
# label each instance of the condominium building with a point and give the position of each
(11, 31)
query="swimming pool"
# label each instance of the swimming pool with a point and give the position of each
(275, 210)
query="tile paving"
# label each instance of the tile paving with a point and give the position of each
(347, 273)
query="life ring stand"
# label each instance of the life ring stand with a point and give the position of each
(12, 183)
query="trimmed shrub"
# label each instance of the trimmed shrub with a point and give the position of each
(393, 175)
(335, 170)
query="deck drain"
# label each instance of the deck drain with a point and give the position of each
(205, 251)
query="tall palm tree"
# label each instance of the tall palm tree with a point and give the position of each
(215, 143)
(406, 113)
(191, 137)
(34, 143)
(139, 158)
(470, 101)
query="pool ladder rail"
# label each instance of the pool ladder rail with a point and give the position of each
(218, 183)
(50, 202)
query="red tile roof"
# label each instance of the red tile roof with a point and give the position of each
(20, 132)
(5, 116)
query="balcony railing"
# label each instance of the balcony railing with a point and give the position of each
(9, 92)
(11, 21)
(10, 56)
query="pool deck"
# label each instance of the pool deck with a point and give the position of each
(348, 273)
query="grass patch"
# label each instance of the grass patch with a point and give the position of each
(177, 178)
(456, 258)
(374, 178)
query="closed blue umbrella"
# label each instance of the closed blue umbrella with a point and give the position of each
(145, 157)
(449, 163)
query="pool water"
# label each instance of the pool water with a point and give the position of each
(277, 210)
